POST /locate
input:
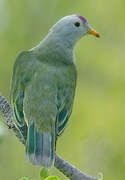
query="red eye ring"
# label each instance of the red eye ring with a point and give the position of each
(77, 24)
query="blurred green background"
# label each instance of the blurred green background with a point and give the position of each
(94, 139)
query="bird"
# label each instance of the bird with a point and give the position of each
(43, 88)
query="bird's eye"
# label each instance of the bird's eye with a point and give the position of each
(77, 24)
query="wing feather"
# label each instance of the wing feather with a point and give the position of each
(20, 78)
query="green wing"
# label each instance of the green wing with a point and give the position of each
(22, 73)
(33, 92)
(65, 96)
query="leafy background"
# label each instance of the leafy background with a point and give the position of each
(94, 140)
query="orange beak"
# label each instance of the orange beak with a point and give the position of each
(93, 32)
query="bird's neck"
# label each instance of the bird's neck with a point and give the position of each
(57, 48)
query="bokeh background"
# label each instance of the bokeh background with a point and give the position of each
(94, 139)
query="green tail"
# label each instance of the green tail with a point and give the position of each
(40, 147)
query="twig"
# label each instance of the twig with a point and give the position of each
(70, 171)
(67, 169)
(6, 116)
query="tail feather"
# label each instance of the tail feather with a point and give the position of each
(40, 147)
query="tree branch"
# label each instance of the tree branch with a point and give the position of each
(6, 117)
(67, 169)
(70, 171)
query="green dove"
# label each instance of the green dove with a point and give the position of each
(43, 88)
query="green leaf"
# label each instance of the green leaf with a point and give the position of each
(24, 178)
(100, 176)
(44, 173)
(52, 178)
